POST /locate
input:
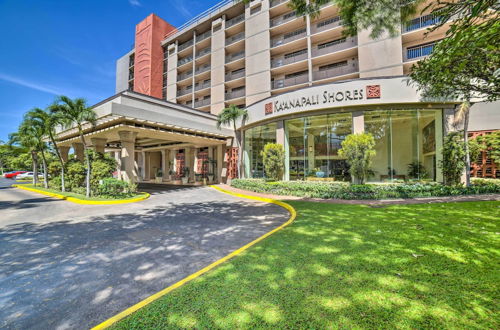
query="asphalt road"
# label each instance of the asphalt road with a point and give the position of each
(70, 266)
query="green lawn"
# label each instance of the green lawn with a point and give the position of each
(352, 266)
(79, 196)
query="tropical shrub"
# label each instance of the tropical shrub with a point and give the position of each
(102, 167)
(273, 157)
(359, 151)
(339, 190)
(111, 187)
(75, 174)
(453, 162)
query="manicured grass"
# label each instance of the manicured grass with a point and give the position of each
(351, 266)
(79, 196)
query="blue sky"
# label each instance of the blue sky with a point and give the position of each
(69, 47)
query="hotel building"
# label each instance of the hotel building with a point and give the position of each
(305, 85)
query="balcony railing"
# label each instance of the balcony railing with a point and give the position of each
(199, 87)
(351, 67)
(335, 46)
(185, 75)
(235, 38)
(421, 22)
(283, 19)
(235, 56)
(203, 52)
(203, 68)
(184, 91)
(189, 103)
(235, 20)
(185, 45)
(274, 3)
(185, 60)
(235, 94)
(288, 60)
(418, 51)
(203, 36)
(326, 24)
(231, 76)
(287, 82)
(202, 103)
(288, 37)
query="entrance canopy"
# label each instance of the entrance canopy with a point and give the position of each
(154, 123)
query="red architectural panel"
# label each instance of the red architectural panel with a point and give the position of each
(180, 161)
(232, 163)
(148, 66)
(483, 166)
(202, 164)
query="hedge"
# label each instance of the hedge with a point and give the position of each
(342, 190)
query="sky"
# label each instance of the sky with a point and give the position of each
(69, 47)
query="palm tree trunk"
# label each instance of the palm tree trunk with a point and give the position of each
(63, 187)
(34, 158)
(45, 178)
(466, 146)
(87, 159)
(238, 144)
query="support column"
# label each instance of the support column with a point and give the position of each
(99, 144)
(281, 139)
(164, 167)
(143, 166)
(127, 170)
(358, 122)
(117, 155)
(189, 162)
(221, 168)
(64, 150)
(79, 152)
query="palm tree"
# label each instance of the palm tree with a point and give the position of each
(30, 136)
(76, 113)
(229, 116)
(49, 121)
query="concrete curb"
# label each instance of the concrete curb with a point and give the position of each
(293, 214)
(82, 201)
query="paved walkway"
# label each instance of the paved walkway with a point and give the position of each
(67, 266)
(422, 200)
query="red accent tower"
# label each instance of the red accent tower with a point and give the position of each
(148, 67)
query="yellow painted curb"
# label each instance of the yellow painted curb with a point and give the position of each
(109, 322)
(82, 201)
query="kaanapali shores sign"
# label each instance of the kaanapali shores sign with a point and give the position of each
(325, 98)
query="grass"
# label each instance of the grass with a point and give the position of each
(79, 196)
(351, 266)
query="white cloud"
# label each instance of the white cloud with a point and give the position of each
(135, 3)
(182, 8)
(30, 84)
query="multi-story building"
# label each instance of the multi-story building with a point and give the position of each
(304, 84)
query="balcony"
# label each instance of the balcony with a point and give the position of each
(185, 45)
(235, 20)
(235, 94)
(203, 36)
(274, 3)
(199, 86)
(336, 70)
(334, 46)
(326, 24)
(287, 82)
(235, 56)
(235, 75)
(235, 38)
(413, 53)
(185, 60)
(185, 75)
(421, 22)
(203, 52)
(203, 68)
(202, 103)
(288, 37)
(283, 19)
(276, 63)
(184, 91)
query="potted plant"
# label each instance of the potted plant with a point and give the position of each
(197, 179)
(185, 178)
(319, 173)
(159, 175)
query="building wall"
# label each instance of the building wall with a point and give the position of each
(122, 73)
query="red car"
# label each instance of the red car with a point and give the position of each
(12, 175)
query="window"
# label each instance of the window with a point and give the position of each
(255, 140)
(332, 66)
(238, 89)
(296, 53)
(296, 74)
(328, 21)
(331, 43)
(290, 14)
(294, 33)
(238, 71)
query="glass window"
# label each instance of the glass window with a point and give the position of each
(255, 140)
(406, 144)
(313, 145)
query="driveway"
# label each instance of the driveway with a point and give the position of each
(64, 265)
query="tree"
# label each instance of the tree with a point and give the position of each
(50, 120)
(273, 157)
(230, 116)
(76, 113)
(358, 149)
(454, 157)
